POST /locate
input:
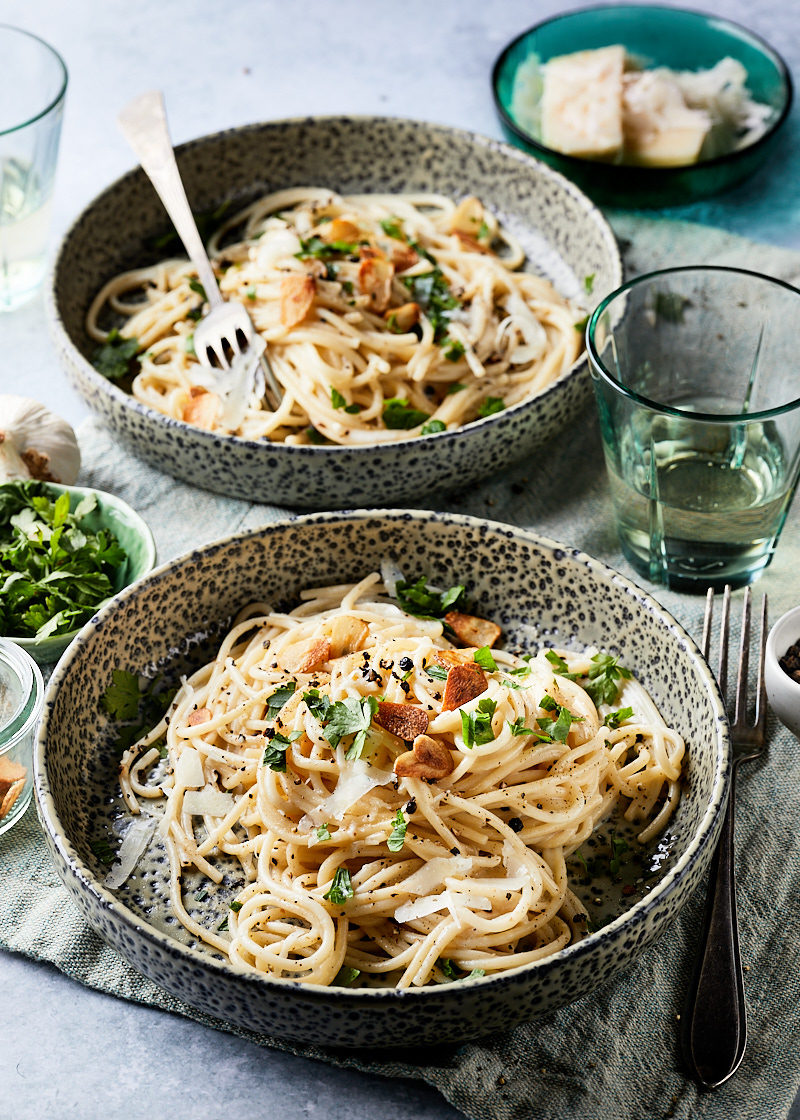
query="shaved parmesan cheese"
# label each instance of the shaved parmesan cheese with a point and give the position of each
(189, 770)
(208, 802)
(512, 862)
(422, 907)
(356, 779)
(134, 843)
(434, 873)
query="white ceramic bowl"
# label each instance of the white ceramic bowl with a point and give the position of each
(564, 236)
(782, 692)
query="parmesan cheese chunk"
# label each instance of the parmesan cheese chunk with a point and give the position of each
(582, 103)
(659, 129)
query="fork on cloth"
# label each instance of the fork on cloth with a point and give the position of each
(714, 1021)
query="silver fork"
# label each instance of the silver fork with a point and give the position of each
(714, 1023)
(227, 331)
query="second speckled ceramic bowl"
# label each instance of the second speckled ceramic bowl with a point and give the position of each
(564, 236)
(538, 591)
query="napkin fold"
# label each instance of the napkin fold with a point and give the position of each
(615, 1053)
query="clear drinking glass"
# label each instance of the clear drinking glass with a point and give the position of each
(697, 378)
(33, 82)
(21, 700)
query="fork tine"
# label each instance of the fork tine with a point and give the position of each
(740, 714)
(761, 688)
(724, 631)
(705, 648)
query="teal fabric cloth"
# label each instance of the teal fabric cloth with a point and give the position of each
(615, 1053)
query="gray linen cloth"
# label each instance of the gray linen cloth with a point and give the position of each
(614, 1053)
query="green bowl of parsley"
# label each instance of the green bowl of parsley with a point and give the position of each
(64, 552)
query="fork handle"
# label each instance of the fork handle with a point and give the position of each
(143, 123)
(714, 1022)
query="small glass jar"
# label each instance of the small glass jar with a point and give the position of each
(21, 700)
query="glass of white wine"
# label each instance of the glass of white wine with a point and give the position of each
(32, 91)
(697, 379)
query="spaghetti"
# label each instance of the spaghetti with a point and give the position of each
(384, 316)
(392, 802)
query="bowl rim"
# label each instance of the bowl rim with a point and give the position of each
(702, 836)
(654, 174)
(782, 629)
(599, 369)
(30, 645)
(102, 384)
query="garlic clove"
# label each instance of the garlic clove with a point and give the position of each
(36, 443)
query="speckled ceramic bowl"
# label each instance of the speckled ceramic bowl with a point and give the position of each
(565, 238)
(133, 534)
(538, 591)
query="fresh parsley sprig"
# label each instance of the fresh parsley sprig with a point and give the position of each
(422, 601)
(476, 726)
(603, 676)
(54, 571)
(341, 888)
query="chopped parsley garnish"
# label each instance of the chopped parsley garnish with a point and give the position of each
(518, 727)
(188, 345)
(580, 326)
(345, 976)
(350, 717)
(251, 292)
(560, 665)
(423, 602)
(280, 697)
(223, 925)
(201, 895)
(103, 850)
(483, 231)
(588, 282)
(115, 357)
(134, 706)
(391, 227)
(324, 832)
(275, 753)
(453, 972)
(432, 292)
(602, 685)
(437, 672)
(614, 719)
(456, 388)
(399, 415)
(340, 401)
(557, 727)
(522, 671)
(197, 287)
(483, 657)
(476, 726)
(317, 703)
(321, 250)
(432, 427)
(491, 406)
(316, 437)
(235, 906)
(453, 350)
(398, 834)
(341, 888)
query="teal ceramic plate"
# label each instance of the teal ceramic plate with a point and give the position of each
(672, 37)
(134, 537)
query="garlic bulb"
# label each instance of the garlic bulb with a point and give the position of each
(35, 443)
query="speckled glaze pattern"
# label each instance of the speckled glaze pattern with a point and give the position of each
(564, 236)
(539, 591)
